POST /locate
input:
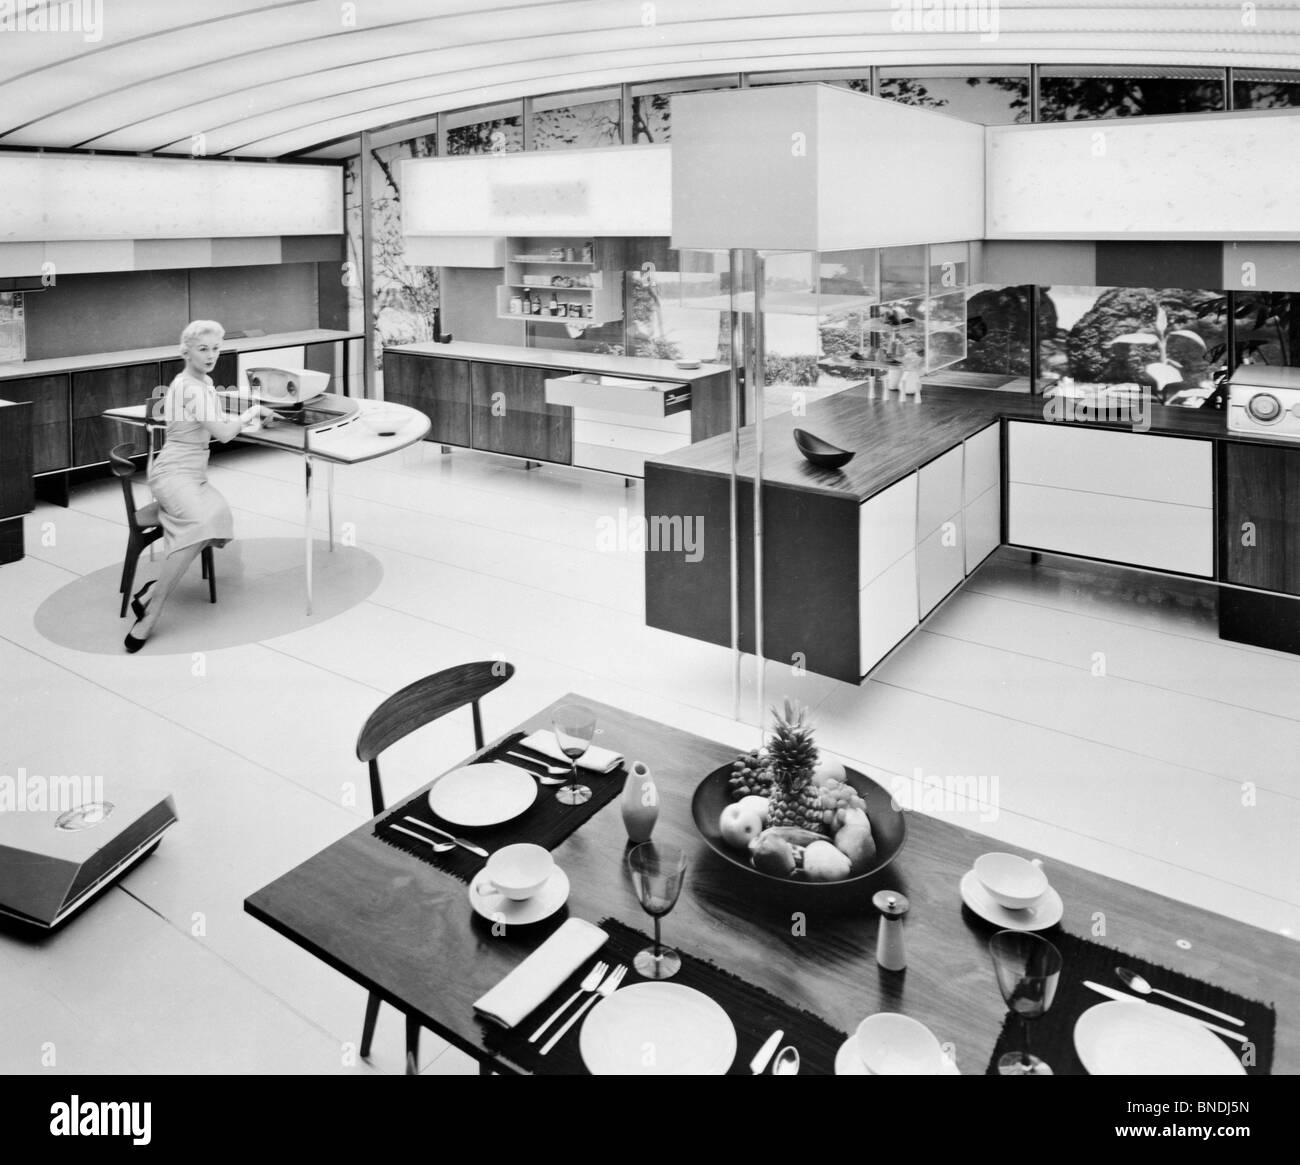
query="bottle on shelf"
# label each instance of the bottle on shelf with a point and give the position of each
(555, 304)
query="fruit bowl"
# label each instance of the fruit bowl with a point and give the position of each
(888, 826)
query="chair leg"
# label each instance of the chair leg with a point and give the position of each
(210, 571)
(368, 1028)
(412, 1046)
(128, 575)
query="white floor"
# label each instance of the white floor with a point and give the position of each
(1114, 728)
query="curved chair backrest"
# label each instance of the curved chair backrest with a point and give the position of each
(119, 458)
(420, 703)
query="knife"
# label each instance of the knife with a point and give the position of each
(765, 1053)
(1111, 993)
(460, 841)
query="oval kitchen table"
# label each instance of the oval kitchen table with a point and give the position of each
(328, 429)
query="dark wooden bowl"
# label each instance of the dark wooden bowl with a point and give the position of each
(888, 827)
(821, 453)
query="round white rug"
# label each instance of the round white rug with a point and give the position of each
(261, 593)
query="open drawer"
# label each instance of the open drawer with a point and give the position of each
(618, 394)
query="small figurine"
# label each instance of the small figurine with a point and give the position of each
(910, 382)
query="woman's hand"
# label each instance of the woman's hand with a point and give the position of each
(266, 416)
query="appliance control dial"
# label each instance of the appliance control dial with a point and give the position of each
(1264, 406)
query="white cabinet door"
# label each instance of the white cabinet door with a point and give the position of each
(886, 529)
(940, 492)
(983, 463)
(1133, 531)
(940, 564)
(1178, 470)
(983, 526)
(886, 611)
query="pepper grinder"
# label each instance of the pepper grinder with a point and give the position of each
(890, 952)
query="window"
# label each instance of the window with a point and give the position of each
(998, 334)
(13, 345)
(651, 105)
(1161, 339)
(491, 129)
(1267, 327)
(577, 120)
(1265, 89)
(985, 100)
(1070, 94)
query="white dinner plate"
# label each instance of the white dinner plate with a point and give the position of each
(849, 1063)
(496, 907)
(483, 794)
(657, 1029)
(1133, 1038)
(1047, 911)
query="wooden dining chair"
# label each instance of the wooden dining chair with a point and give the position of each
(398, 716)
(139, 535)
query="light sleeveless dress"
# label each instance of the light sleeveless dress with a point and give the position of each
(191, 510)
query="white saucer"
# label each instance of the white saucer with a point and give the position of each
(849, 1063)
(1047, 911)
(498, 908)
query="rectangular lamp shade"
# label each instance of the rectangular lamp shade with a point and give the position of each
(1212, 176)
(76, 197)
(600, 192)
(818, 168)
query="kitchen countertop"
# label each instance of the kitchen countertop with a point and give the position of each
(893, 437)
(638, 367)
(58, 364)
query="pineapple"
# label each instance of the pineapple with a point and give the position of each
(794, 800)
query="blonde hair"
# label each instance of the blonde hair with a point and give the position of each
(199, 328)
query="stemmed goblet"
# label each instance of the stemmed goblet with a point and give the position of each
(658, 871)
(1028, 969)
(574, 726)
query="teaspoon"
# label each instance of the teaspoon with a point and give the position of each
(1134, 981)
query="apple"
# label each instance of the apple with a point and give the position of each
(739, 825)
(756, 804)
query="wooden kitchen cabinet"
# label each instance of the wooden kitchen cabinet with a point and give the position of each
(440, 389)
(107, 388)
(1260, 517)
(224, 375)
(51, 430)
(510, 414)
(16, 498)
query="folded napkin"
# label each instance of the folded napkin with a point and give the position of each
(598, 760)
(531, 983)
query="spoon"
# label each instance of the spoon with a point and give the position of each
(541, 778)
(438, 847)
(1133, 980)
(786, 1062)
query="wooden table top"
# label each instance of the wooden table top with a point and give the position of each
(400, 926)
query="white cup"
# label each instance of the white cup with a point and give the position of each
(890, 1044)
(1011, 881)
(518, 871)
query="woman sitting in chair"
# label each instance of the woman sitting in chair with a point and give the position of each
(192, 513)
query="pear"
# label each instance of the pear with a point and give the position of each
(772, 855)
(857, 844)
(822, 862)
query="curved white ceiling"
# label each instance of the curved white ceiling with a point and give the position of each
(259, 79)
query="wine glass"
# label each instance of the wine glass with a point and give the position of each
(658, 871)
(574, 727)
(1028, 968)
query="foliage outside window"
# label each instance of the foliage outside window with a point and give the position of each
(998, 331)
(405, 298)
(1160, 339)
(504, 135)
(983, 100)
(1267, 328)
(578, 126)
(1114, 93)
(13, 341)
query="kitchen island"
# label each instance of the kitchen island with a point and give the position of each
(584, 409)
(854, 560)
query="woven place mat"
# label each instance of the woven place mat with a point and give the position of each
(547, 822)
(1051, 1036)
(754, 1012)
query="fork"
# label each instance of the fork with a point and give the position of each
(589, 983)
(604, 991)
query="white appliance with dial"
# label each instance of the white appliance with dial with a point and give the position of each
(1264, 401)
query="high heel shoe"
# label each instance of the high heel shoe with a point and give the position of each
(131, 643)
(138, 607)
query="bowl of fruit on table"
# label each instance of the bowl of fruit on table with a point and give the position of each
(788, 815)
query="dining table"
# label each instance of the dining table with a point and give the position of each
(340, 437)
(403, 929)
